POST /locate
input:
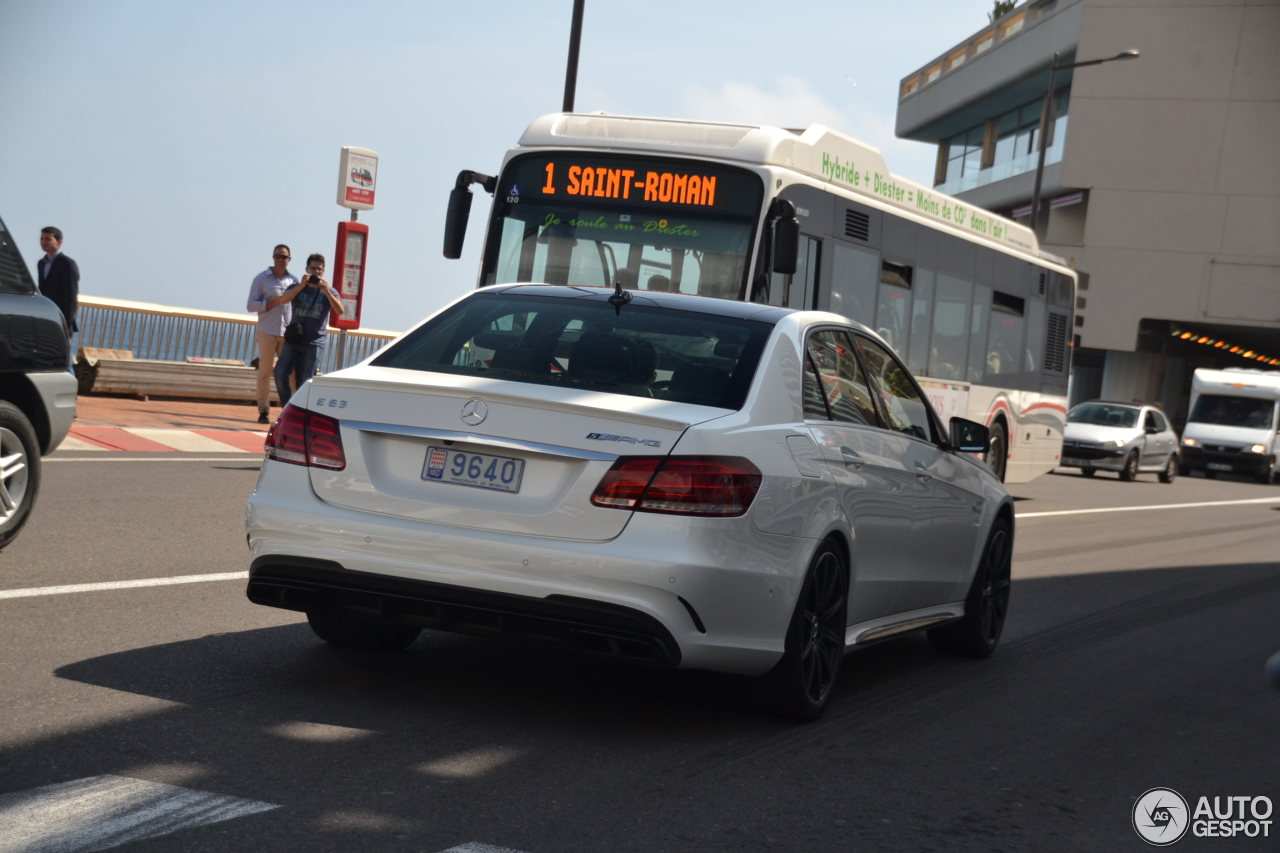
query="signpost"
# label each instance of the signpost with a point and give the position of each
(357, 186)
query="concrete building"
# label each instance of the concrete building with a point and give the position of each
(1162, 177)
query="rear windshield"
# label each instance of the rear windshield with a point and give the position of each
(1232, 411)
(1101, 414)
(643, 351)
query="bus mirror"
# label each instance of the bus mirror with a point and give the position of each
(455, 222)
(969, 436)
(786, 245)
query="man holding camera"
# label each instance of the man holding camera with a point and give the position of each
(267, 300)
(311, 301)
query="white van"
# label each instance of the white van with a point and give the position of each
(1232, 425)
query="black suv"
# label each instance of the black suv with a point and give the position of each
(37, 393)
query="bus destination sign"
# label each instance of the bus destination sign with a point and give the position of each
(654, 183)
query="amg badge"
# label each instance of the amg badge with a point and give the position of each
(604, 436)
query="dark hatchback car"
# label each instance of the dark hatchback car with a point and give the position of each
(37, 393)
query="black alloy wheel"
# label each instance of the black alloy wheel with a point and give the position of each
(1088, 472)
(342, 629)
(801, 684)
(998, 453)
(1170, 469)
(978, 633)
(19, 471)
(1130, 471)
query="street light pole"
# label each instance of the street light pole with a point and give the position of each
(1044, 120)
(575, 41)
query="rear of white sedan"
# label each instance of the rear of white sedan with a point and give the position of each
(538, 463)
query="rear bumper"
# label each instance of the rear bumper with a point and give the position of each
(306, 585)
(634, 596)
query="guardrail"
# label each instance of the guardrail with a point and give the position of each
(165, 333)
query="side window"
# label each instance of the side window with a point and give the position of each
(815, 404)
(840, 378)
(1161, 424)
(1150, 422)
(905, 407)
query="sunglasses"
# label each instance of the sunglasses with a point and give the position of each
(282, 257)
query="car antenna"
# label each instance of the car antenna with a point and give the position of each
(620, 297)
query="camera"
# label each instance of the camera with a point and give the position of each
(313, 279)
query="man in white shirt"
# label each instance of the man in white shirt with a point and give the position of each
(267, 299)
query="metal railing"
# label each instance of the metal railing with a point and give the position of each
(174, 334)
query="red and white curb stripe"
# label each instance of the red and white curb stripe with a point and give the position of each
(163, 440)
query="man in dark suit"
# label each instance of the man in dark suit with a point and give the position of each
(60, 282)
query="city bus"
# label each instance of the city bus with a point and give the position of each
(807, 219)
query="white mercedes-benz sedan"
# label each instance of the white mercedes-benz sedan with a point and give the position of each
(677, 480)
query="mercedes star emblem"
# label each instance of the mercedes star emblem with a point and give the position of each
(474, 411)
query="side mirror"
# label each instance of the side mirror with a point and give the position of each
(455, 222)
(969, 436)
(786, 237)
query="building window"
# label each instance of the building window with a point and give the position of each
(983, 42)
(964, 154)
(1012, 146)
(909, 87)
(932, 74)
(956, 59)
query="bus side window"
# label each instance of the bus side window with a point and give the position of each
(855, 275)
(978, 332)
(1036, 320)
(950, 338)
(921, 318)
(801, 289)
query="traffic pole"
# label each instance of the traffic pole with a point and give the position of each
(575, 41)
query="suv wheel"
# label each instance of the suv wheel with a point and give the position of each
(19, 471)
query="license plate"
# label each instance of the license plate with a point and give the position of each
(478, 470)
(1217, 466)
(1075, 463)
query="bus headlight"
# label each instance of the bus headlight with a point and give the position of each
(1189, 442)
(1258, 448)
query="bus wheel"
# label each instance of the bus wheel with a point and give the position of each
(998, 453)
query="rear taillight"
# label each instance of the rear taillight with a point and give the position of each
(302, 437)
(686, 485)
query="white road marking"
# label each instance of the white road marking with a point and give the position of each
(102, 812)
(73, 443)
(96, 587)
(477, 847)
(151, 458)
(182, 439)
(1275, 500)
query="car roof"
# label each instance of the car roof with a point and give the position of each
(681, 301)
(1115, 403)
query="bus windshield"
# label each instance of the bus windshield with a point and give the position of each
(1233, 411)
(668, 225)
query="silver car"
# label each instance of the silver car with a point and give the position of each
(1123, 437)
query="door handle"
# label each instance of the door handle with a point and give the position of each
(851, 459)
(922, 472)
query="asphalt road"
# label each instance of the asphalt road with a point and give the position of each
(1132, 659)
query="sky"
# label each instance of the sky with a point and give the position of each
(176, 143)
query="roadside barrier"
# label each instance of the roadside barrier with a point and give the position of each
(145, 349)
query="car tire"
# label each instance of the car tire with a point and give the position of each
(19, 471)
(985, 607)
(800, 685)
(342, 629)
(997, 456)
(1170, 470)
(1129, 472)
(1088, 472)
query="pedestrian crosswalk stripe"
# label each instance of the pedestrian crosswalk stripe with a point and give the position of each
(101, 812)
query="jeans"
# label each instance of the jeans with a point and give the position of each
(298, 360)
(73, 344)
